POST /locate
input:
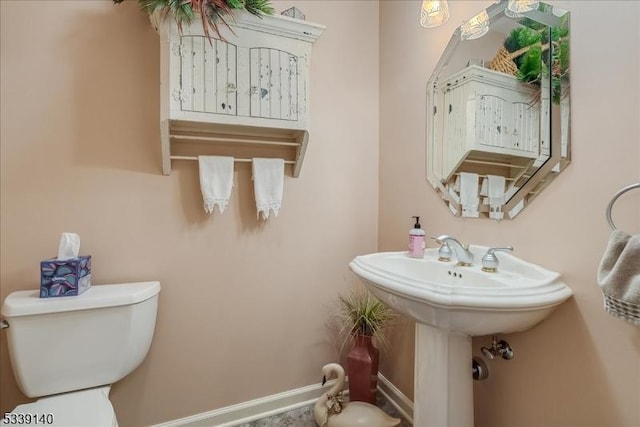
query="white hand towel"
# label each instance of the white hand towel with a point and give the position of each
(619, 276)
(268, 183)
(483, 187)
(216, 181)
(469, 194)
(496, 195)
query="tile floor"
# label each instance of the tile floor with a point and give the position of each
(303, 417)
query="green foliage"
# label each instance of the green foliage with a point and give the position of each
(235, 4)
(363, 314)
(258, 7)
(210, 11)
(523, 37)
(529, 65)
(543, 51)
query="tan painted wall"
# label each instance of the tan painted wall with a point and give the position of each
(581, 367)
(243, 303)
(79, 90)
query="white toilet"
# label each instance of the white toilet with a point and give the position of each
(67, 351)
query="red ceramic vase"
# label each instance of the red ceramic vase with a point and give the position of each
(362, 368)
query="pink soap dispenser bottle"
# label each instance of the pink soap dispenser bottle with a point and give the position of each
(416, 240)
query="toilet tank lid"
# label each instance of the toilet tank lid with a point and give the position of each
(29, 303)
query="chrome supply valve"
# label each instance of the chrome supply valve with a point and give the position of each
(479, 369)
(498, 348)
(490, 261)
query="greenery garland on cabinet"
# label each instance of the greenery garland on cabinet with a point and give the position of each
(534, 39)
(212, 12)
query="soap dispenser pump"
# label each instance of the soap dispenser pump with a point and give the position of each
(416, 240)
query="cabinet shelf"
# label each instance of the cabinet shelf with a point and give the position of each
(183, 140)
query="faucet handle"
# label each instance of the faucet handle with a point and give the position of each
(444, 253)
(490, 260)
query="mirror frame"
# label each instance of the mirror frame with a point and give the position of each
(559, 155)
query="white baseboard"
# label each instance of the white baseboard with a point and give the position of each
(263, 407)
(402, 403)
(253, 409)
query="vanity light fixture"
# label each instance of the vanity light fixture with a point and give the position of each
(434, 13)
(516, 8)
(475, 27)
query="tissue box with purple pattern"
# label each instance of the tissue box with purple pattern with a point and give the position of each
(61, 278)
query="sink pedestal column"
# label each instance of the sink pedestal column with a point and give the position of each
(443, 387)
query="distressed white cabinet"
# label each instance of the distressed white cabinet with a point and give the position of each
(250, 86)
(487, 112)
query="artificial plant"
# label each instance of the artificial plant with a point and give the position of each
(212, 12)
(530, 44)
(363, 314)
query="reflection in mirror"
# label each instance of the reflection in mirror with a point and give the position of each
(498, 109)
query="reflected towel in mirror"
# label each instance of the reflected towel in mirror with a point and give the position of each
(496, 195)
(469, 194)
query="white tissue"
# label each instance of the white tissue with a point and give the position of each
(69, 246)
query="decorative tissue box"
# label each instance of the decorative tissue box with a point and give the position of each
(61, 278)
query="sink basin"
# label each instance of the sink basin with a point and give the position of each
(466, 300)
(450, 304)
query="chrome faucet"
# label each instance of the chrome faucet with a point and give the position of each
(463, 254)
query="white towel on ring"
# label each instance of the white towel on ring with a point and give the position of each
(216, 181)
(268, 183)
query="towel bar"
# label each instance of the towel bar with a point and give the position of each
(613, 200)
(486, 176)
(287, 162)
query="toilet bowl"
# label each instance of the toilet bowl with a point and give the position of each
(68, 351)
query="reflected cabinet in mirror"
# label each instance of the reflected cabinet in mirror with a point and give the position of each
(498, 109)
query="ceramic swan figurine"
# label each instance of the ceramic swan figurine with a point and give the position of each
(352, 414)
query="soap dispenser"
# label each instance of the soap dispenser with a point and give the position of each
(416, 240)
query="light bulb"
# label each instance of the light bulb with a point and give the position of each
(516, 8)
(434, 13)
(475, 27)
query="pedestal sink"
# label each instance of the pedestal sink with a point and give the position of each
(450, 304)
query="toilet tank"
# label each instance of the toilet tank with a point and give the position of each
(64, 344)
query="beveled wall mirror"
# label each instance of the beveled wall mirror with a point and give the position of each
(498, 124)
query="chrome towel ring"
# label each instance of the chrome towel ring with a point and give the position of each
(613, 200)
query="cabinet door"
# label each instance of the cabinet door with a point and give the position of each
(526, 125)
(507, 122)
(208, 75)
(275, 84)
(457, 122)
(493, 121)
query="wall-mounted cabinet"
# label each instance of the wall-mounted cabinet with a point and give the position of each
(249, 87)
